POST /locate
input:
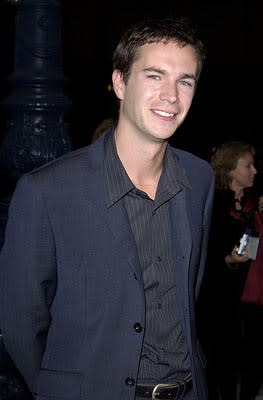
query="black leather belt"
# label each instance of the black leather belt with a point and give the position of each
(165, 391)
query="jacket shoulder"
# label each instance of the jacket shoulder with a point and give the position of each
(194, 165)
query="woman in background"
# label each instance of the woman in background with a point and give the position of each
(233, 355)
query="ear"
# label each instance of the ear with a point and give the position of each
(118, 84)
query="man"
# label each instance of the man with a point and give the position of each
(105, 247)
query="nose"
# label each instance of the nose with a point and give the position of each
(169, 93)
(254, 170)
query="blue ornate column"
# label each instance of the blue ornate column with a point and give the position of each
(36, 129)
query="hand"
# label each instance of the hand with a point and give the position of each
(260, 205)
(234, 258)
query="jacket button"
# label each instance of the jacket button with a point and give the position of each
(130, 381)
(137, 327)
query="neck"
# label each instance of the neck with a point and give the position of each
(142, 161)
(238, 191)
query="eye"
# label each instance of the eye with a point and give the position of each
(186, 83)
(154, 77)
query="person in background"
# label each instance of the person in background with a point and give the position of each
(105, 247)
(101, 128)
(233, 353)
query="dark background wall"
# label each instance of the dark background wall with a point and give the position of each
(228, 100)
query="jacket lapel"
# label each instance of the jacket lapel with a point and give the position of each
(181, 243)
(114, 217)
(118, 222)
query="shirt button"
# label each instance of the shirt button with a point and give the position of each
(137, 327)
(130, 381)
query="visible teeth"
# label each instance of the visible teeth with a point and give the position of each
(163, 113)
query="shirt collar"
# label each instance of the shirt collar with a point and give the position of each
(173, 177)
(118, 183)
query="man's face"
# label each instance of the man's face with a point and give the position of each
(159, 91)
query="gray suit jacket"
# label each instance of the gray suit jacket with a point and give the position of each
(71, 288)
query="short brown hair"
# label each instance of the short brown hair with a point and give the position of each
(225, 159)
(179, 30)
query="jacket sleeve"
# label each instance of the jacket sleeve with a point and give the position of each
(27, 278)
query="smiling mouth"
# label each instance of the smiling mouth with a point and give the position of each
(164, 113)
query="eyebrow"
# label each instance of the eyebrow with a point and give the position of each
(155, 69)
(164, 72)
(189, 76)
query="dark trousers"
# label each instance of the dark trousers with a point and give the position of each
(223, 355)
(252, 351)
(235, 355)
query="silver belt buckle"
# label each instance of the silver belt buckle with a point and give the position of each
(159, 386)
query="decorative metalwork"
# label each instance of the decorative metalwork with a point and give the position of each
(36, 130)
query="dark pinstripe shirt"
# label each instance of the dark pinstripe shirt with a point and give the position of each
(164, 355)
